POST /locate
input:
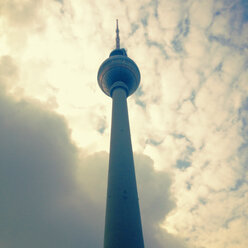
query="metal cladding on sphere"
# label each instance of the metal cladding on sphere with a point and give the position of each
(118, 67)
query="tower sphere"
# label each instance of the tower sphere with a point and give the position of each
(118, 68)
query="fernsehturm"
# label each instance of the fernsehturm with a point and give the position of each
(119, 77)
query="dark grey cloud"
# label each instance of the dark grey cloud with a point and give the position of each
(156, 202)
(52, 194)
(41, 204)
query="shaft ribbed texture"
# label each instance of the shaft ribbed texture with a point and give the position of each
(122, 222)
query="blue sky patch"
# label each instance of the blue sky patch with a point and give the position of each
(182, 164)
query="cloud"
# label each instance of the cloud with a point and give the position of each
(52, 193)
(38, 163)
(8, 73)
(18, 19)
(155, 203)
(20, 14)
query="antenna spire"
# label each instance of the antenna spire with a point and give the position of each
(117, 35)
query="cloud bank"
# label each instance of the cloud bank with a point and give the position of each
(53, 193)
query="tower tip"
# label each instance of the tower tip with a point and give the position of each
(117, 35)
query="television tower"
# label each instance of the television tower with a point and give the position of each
(119, 77)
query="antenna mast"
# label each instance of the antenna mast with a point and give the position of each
(117, 36)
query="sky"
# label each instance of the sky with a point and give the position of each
(188, 119)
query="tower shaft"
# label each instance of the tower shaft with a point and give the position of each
(122, 222)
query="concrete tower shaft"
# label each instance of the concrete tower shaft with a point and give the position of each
(122, 222)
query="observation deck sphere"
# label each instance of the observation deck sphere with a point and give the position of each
(118, 67)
